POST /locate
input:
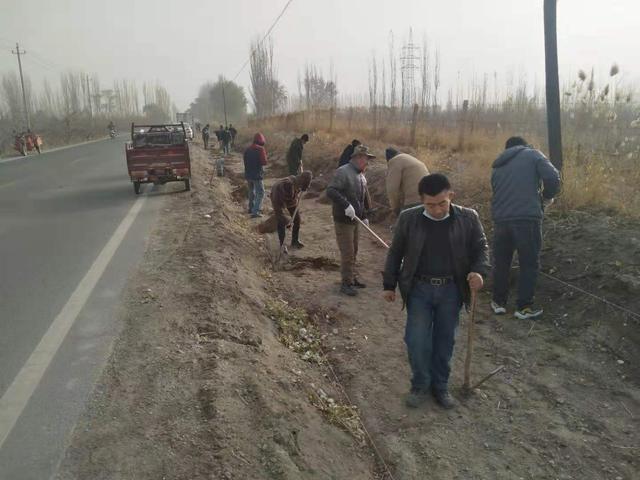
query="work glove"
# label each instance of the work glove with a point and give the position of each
(350, 212)
(366, 221)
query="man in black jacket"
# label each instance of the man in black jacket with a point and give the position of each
(438, 255)
(347, 152)
(348, 191)
(294, 155)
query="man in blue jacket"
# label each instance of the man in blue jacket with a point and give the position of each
(255, 159)
(523, 182)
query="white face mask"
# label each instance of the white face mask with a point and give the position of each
(426, 214)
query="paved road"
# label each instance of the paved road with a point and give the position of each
(71, 231)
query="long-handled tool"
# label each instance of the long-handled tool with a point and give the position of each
(372, 232)
(467, 388)
(293, 217)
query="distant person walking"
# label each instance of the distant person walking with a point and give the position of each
(349, 194)
(205, 136)
(523, 182)
(255, 159)
(404, 173)
(347, 152)
(234, 133)
(225, 141)
(285, 195)
(294, 154)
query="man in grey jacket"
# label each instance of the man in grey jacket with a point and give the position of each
(348, 191)
(523, 181)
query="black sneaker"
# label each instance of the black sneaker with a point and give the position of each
(357, 284)
(415, 398)
(297, 244)
(444, 399)
(348, 290)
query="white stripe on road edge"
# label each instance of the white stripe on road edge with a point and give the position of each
(19, 392)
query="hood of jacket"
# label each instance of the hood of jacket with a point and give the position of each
(259, 139)
(508, 155)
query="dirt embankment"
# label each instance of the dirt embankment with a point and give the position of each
(200, 385)
(216, 377)
(567, 403)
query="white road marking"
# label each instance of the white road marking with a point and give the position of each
(17, 396)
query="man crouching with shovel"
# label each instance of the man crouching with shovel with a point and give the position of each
(438, 255)
(286, 195)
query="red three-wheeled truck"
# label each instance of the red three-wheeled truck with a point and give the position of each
(158, 154)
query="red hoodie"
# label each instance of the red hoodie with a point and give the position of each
(255, 158)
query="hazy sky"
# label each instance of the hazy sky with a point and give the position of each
(183, 43)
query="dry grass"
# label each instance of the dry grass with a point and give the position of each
(592, 180)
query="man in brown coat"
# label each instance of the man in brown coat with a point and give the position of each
(404, 172)
(285, 195)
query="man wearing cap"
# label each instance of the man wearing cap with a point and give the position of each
(350, 197)
(404, 172)
(285, 195)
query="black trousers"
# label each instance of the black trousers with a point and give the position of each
(282, 226)
(524, 237)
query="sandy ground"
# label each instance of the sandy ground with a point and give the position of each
(210, 380)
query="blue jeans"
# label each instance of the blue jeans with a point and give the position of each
(432, 319)
(525, 237)
(256, 194)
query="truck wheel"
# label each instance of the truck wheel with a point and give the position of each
(187, 185)
(136, 187)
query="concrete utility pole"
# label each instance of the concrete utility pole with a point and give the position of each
(554, 127)
(224, 104)
(24, 95)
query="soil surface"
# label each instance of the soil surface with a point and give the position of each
(238, 362)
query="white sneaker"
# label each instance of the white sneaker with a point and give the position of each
(498, 309)
(528, 313)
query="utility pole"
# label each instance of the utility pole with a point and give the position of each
(24, 95)
(224, 104)
(89, 97)
(552, 83)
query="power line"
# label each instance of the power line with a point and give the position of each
(264, 38)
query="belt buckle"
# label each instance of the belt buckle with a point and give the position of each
(436, 282)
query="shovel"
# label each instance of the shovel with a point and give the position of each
(467, 388)
(375, 235)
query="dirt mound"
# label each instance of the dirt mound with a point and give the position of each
(200, 384)
(316, 263)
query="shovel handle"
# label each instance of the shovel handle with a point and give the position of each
(470, 336)
(372, 232)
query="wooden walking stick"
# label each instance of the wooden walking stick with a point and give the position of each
(466, 386)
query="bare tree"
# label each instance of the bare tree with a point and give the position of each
(267, 93)
(12, 96)
(436, 79)
(393, 71)
(425, 78)
(318, 92)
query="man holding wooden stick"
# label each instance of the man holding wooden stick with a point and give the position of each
(439, 254)
(350, 196)
(285, 195)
